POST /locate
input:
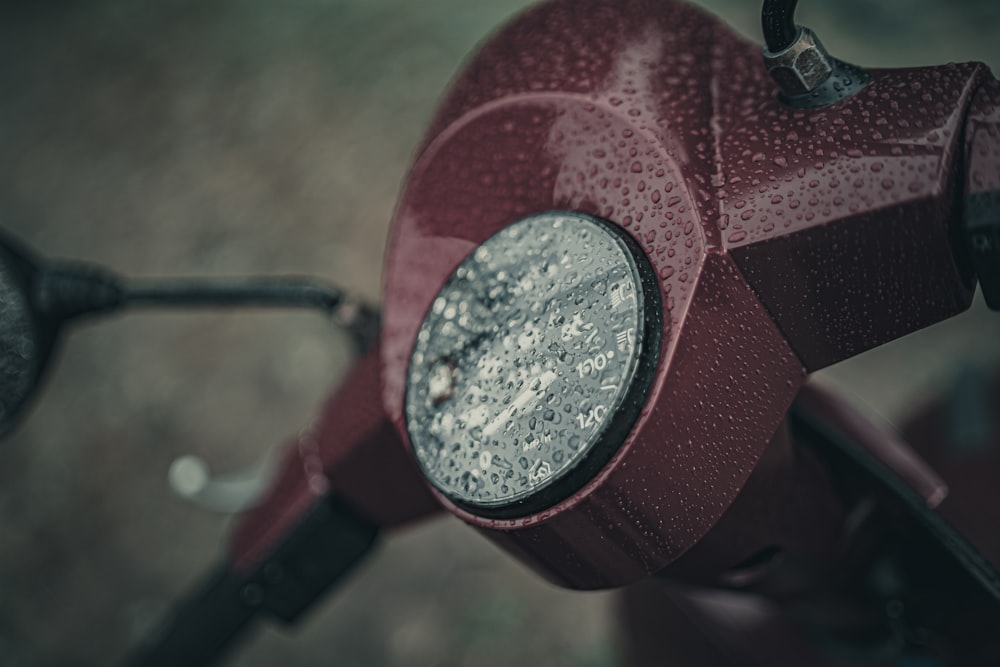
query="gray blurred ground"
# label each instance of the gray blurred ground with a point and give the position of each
(230, 137)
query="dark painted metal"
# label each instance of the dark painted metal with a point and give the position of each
(37, 300)
(664, 624)
(328, 542)
(784, 240)
(898, 585)
(203, 627)
(940, 596)
(26, 340)
(982, 190)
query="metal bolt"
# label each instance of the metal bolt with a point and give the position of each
(801, 67)
(982, 243)
(274, 573)
(252, 595)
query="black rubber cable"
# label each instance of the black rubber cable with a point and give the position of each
(282, 292)
(67, 291)
(359, 319)
(777, 19)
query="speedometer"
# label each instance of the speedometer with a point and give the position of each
(532, 363)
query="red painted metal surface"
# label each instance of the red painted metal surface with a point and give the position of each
(883, 169)
(784, 240)
(780, 535)
(622, 111)
(846, 236)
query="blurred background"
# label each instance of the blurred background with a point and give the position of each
(231, 137)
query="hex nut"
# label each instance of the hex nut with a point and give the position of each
(801, 67)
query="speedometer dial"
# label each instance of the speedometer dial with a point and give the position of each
(532, 364)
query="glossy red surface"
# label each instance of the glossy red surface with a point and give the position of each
(783, 240)
(788, 508)
(847, 216)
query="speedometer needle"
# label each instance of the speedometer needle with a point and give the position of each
(522, 400)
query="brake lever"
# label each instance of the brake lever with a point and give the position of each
(341, 482)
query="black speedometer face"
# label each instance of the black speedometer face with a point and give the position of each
(532, 363)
